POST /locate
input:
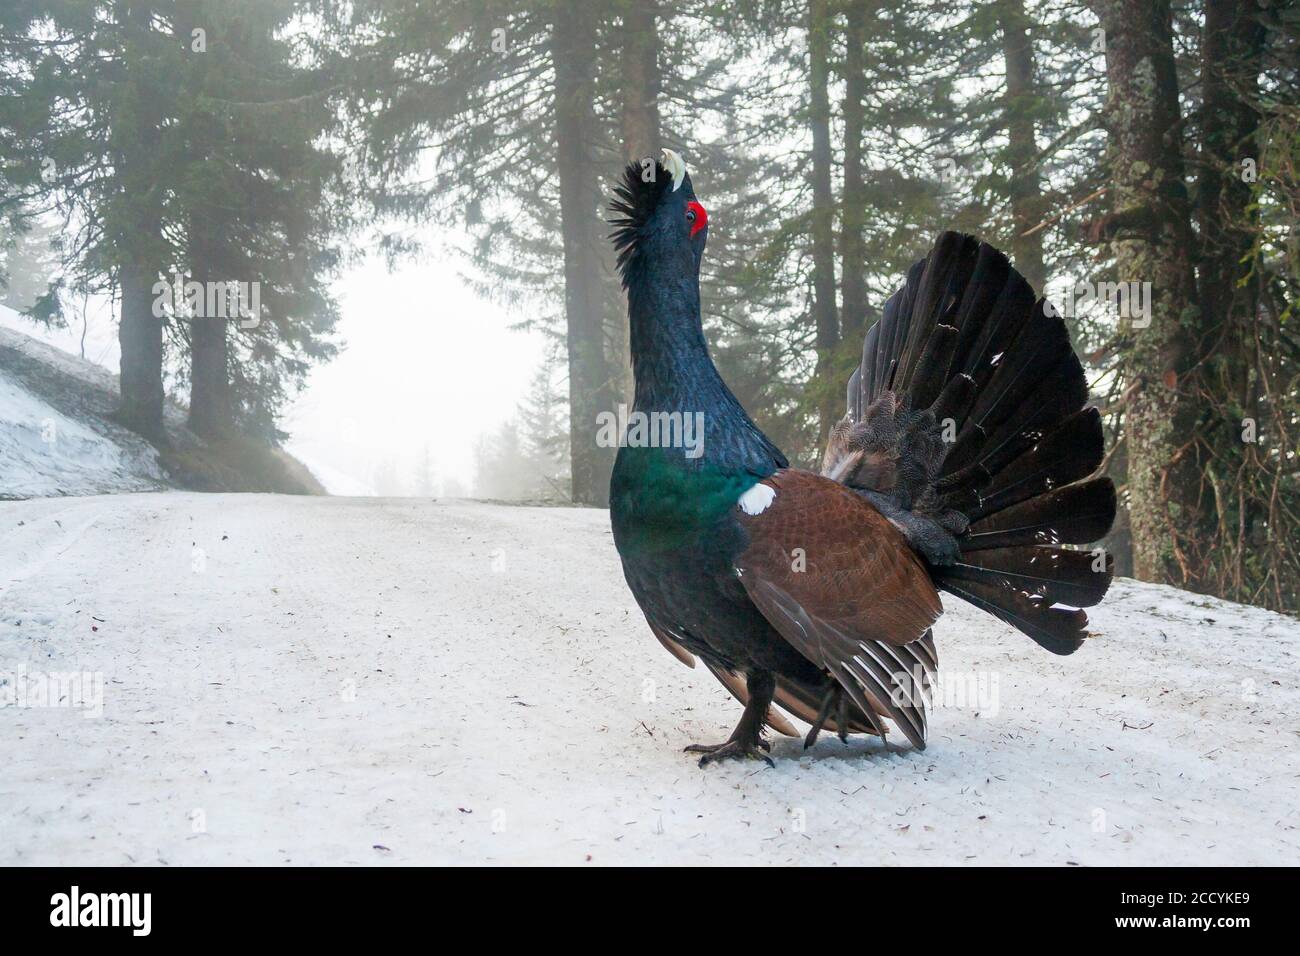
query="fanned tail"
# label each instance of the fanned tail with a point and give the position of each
(968, 352)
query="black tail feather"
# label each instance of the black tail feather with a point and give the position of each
(1071, 452)
(1040, 344)
(958, 393)
(1060, 630)
(947, 272)
(880, 346)
(1075, 514)
(992, 270)
(1057, 575)
(1011, 311)
(931, 367)
(968, 339)
(1061, 391)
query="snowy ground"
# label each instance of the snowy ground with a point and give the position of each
(317, 680)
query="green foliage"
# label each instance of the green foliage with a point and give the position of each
(148, 145)
(259, 193)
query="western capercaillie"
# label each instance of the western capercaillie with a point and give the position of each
(964, 464)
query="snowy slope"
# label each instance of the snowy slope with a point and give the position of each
(60, 441)
(44, 452)
(59, 435)
(332, 680)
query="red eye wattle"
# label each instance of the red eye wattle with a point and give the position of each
(696, 216)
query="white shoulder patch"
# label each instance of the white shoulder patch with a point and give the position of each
(757, 499)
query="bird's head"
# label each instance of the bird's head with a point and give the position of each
(658, 219)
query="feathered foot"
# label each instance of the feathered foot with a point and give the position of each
(747, 739)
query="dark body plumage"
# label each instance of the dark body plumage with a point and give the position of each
(956, 468)
(671, 514)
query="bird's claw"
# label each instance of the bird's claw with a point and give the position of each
(732, 749)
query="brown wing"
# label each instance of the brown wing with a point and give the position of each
(805, 702)
(840, 583)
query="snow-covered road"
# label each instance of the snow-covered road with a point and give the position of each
(335, 680)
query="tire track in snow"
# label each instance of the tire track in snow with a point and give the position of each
(65, 539)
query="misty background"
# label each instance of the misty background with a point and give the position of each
(418, 189)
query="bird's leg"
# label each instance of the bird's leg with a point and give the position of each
(843, 700)
(834, 695)
(747, 738)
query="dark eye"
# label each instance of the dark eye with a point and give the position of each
(690, 215)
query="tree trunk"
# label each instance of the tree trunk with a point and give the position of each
(136, 136)
(1231, 55)
(853, 266)
(640, 81)
(139, 334)
(211, 402)
(1152, 241)
(825, 318)
(212, 407)
(1022, 149)
(573, 54)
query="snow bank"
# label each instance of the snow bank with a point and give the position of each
(57, 439)
(44, 452)
(334, 680)
(59, 435)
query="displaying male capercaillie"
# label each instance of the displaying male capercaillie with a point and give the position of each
(963, 465)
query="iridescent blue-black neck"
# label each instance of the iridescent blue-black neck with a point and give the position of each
(670, 357)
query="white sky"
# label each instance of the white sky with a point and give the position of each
(424, 361)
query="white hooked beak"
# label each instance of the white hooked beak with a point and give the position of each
(676, 166)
